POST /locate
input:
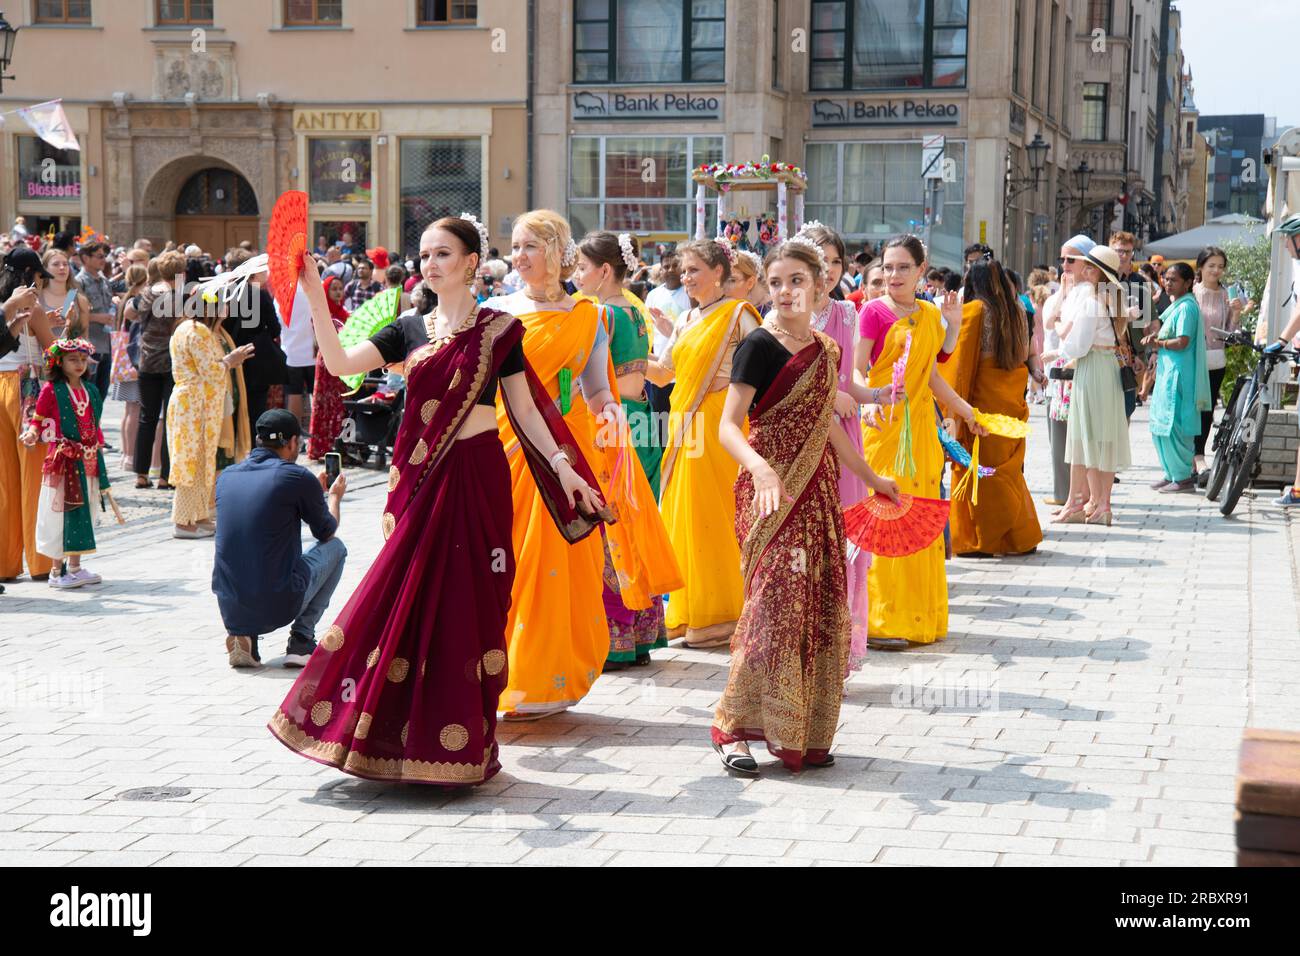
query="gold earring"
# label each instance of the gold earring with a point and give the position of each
(469, 276)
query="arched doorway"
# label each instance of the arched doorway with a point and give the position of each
(216, 209)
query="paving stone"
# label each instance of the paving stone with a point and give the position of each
(1114, 739)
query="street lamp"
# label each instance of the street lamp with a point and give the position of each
(1036, 149)
(1082, 177)
(7, 35)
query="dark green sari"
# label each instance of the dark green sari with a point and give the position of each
(629, 349)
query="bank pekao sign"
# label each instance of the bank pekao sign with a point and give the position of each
(667, 105)
(895, 111)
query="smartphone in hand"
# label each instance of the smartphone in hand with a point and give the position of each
(333, 466)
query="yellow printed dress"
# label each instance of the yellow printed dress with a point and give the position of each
(909, 596)
(699, 476)
(195, 413)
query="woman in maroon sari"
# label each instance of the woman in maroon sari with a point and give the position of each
(790, 648)
(404, 685)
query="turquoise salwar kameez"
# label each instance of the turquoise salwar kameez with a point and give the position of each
(1182, 389)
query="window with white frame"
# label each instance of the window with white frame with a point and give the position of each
(871, 191)
(637, 183)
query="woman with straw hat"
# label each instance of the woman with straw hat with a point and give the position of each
(1096, 438)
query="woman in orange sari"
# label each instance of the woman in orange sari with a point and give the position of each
(989, 371)
(789, 655)
(697, 476)
(557, 631)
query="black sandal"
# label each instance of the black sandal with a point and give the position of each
(828, 762)
(142, 481)
(739, 762)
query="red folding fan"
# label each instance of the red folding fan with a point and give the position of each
(877, 525)
(286, 241)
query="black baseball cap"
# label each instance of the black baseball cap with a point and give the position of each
(278, 425)
(22, 258)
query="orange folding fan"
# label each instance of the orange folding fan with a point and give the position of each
(286, 241)
(877, 525)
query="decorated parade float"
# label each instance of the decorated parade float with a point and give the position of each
(747, 215)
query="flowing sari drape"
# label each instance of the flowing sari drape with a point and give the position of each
(557, 632)
(791, 645)
(1004, 521)
(909, 596)
(698, 476)
(404, 686)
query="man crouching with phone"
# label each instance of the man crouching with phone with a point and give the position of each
(261, 577)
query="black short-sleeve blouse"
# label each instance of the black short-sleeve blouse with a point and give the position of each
(407, 333)
(758, 359)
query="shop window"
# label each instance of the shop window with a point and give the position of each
(313, 13)
(609, 188)
(872, 191)
(350, 234)
(872, 44)
(649, 41)
(340, 170)
(184, 12)
(46, 173)
(62, 11)
(440, 177)
(433, 13)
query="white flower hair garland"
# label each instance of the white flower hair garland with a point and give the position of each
(484, 243)
(625, 246)
(570, 256)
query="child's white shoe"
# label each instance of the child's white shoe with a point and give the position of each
(85, 577)
(65, 582)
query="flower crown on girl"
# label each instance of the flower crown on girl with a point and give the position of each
(61, 347)
(799, 239)
(727, 248)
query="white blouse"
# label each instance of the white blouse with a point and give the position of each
(1090, 324)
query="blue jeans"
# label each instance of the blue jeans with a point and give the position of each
(1130, 402)
(325, 561)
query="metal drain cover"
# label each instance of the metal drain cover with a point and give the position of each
(154, 793)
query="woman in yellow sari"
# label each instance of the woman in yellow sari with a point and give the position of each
(909, 596)
(989, 369)
(698, 475)
(557, 636)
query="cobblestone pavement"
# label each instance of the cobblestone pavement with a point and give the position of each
(1086, 708)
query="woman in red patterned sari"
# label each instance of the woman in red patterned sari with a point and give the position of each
(404, 685)
(790, 647)
(327, 412)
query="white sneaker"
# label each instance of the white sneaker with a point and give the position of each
(198, 532)
(66, 582)
(85, 577)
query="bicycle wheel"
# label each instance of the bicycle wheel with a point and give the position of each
(1245, 455)
(1221, 442)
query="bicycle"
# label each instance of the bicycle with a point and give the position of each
(1240, 432)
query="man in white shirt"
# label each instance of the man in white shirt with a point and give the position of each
(298, 341)
(666, 302)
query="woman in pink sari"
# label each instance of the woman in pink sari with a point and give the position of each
(404, 685)
(839, 320)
